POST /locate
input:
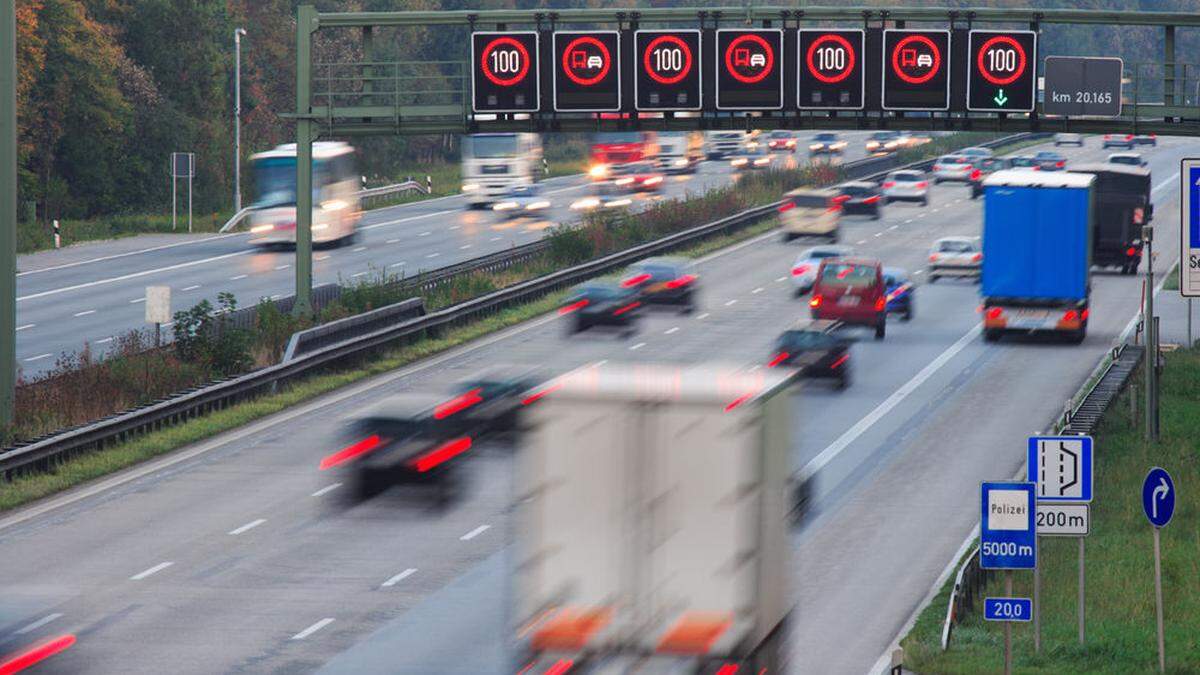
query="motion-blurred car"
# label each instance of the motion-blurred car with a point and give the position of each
(804, 270)
(1118, 141)
(634, 177)
(1064, 138)
(602, 303)
(1048, 160)
(810, 212)
(900, 292)
(883, 142)
(851, 291)
(954, 257)
(752, 156)
(912, 139)
(664, 281)
(974, 152)
(906, 185)
(1026, 162)
(1146, 139)
(952, 167)
(522, 200)
(1127, 158)
(826, 143)
(813, 348)
(984, 168)
(782, 140)
(859, 198)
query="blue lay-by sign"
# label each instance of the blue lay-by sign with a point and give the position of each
(1061, 466)
(1007, 609)
(1007, 534)
(1158, 497)
(1189, 205)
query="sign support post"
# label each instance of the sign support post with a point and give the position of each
(1158, 503)
(1008, 625)
(1158, 613)
(1037, 608)
(1151, 338)
(305, 20)
(1081, 587)
(8, 213)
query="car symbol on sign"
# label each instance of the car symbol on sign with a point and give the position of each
(924, 61)
(758, 61)
(595, 62)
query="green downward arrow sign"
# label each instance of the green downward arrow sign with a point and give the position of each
(1000, 98)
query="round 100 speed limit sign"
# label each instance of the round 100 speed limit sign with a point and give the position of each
(1002, 70)
(504, 72)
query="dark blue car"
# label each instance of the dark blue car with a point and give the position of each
(900, 292)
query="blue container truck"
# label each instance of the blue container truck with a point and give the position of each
(1037, 253)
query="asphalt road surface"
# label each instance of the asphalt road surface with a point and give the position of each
(237, 555)
(60, 307)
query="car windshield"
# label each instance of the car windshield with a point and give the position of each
(952, 159)
(522, 191)
(275, 180)
(779, 133)
(619, 137)
(810, 201)
(1022, 161)
(799, 340)
(991, 164)
(825, 137)
(1048, 155)
(658, 270)
(976, 151)
(955, 246)
(848, 274)
(906, 177)
(884, 135)
(491, 146)
(600, 292)
(822, 253)
(856, 190)
(1135, 161)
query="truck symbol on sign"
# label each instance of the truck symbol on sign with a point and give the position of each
(909, 58)
(742, 58)
(580, 60)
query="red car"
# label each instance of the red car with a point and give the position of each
(851, 291)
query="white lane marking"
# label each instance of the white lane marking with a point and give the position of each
(922, 215)
(908, 221)
(878, 234)
(192, 288)
(276, 296)
(326, 490)
(132, 275)
(475, 533)
(495, 239)
(392, 241)
(433, 255)
(669, 331)
(136, 301)
(464, 247)
(917, 272)
(248, 526)
(829, 453)
(425, 234)
(780, 280)
(106, 340)
(756, 291)
(39, 623)
(702, 316)
(359, 274)
(85, 312)
(894, 227)
(358, 249)
(755, 367)
(313, 628)
(39, 357)
(399, 577)
(937, 209)
(861, 242)
(637, 346)
(280, 268)
(25, 327)
(731, 303)
(319, 258)
(153, 570)
(1165, 183)
(456, 227)
(238, 277)
(398, 264)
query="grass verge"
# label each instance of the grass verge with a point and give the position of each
(1120, 621)
(1172, 281)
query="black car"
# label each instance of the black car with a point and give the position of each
(815, 349)
(1050, 161)
(858, 197)
(984, 168)
(664, 281)
(602, 303)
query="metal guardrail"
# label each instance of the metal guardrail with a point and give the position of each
(968, 585)
(219, 395)
(339, 331)
(364, 194)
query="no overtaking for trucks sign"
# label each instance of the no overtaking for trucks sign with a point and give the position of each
(1189, 220)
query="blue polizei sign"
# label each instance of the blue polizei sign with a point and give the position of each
(1061, 466)
(1158, 497)
(1007, 609)
(1189, 204)
(1007, 533)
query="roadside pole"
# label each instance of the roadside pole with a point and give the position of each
(305, 18)
(8, 211)
(1158, 503)
(1151, 360)
(1008, 541)
(1037, 608)
(1008, 593)
(1081, 587)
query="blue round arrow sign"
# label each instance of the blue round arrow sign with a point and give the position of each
(1158, 497)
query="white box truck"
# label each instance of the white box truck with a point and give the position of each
(652, 513)
(492, 164)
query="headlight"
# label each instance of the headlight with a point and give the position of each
(470, 187)
(334, 205)
(762, 160)
(791, 144)
(585, 203)
(623, 181)
(741, 161)
(682, 161)
(652, 180)
(534, 206)
(619, 202)
(504, 206)
(257, 229)
(598, 171)
(815, 146)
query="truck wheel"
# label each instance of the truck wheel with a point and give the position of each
(1077, 336)
(787, 237)
(880, 329)
(991, 334)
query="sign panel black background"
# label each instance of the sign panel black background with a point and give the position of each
(588, 79)
(504, 72)
(667, 69)
(1083, 86)
(749, 67)
(1015, 54)
(845, 91)
(916, 70)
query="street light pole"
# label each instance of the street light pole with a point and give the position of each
(8, 211)
(237, 119)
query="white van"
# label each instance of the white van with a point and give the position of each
(810, 212)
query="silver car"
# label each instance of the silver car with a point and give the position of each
(804, 270)
(1064, 138)
(1126, 158)
(954, 257)
(952, 167)
(906, 185)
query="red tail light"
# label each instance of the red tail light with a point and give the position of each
(1060, 164)
(738, 401)
(880, 304)
(889, 184)
(922, 185)
(779, 358)
(977, 257)
(627, 308)
(635, 280)
(1129, 137)
(539, 395)
(976, 174)
(1131, 251)
(727, 669)
(787, 206)
(841, 199)
(36, 654)
(815, 302)
(871, 200)
(838, 364)
(834, 209)
(560, 667)
(933, 257)
(798, 271)
(1070, 315)
(1084, 314)
(441, 454)
(1035, 167)
(1139, 216)
(574, 306)
(994, 313)
(352, 451)
(681, 281)
(457, 404)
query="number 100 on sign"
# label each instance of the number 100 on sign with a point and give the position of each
(830, 70)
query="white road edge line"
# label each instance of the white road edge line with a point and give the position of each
(399, 577)
(39, 623)
(702, 316)
(106, 340)
(153, 570)
(475, 533)
(313, 628)
(248, 526)
(39, 357)
(85, 312)
(327, 489)
(637, 346)
(25, 327)
(671, 330)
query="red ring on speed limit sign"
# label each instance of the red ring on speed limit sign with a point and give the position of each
(496, 79)
(934, 52)
(604, 54)
(987, 75)
(767, 52)
(812, 67)
(683, 48)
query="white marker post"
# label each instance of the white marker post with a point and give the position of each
(158, 309)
